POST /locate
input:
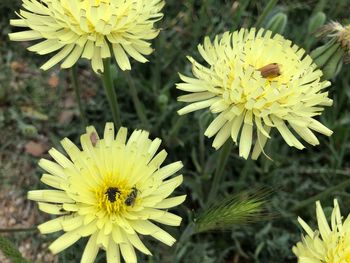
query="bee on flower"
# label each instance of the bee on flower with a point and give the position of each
(327, 244)
(254, 82)
(91, 29)
(112, 191)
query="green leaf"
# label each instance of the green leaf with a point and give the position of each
(11, 252)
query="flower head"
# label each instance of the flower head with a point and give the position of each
(255, 82)
(90, 29)
(327, 244)
(111, 190)
(331, 56)
(338, 31)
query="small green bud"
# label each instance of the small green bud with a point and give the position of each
(34, 114)
(334, 65)
(163, 99)
(316, 21)
(28, 130)
(277, 24)
(320, 50)
(323, 54)
(329, 58)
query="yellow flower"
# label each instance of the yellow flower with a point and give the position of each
(112, 190)
(255, 82)
(327, 244)
(90, 29)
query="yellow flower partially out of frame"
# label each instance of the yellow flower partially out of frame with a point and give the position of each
(112, 191)
(254, 82)
(328, 244)
(91, 29)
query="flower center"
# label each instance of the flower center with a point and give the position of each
(339, 253)
(115, 197)
(95, 2)
(270, 71)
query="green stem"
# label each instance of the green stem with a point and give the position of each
(24, 229)
(111, 93)
(219, 171)
(184, 238)
(139, 107)
(74, 78)
(173, 133)
(271, 4)
(319, 196)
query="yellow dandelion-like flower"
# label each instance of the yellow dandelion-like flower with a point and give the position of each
(91, 29)
(111, 190)
(254, 82)
(327, 244)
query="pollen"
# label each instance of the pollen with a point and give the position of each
(111, 196)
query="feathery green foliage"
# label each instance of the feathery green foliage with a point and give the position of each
(239, 209)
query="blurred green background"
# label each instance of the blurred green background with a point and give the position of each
(37, 109)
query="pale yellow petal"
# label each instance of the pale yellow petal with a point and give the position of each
(216, 125)
(260, 144)
(197, 106)
(168, 170)
(51, 226)
(73, 57)
(222, 136)
(52, 196)
(306, 227)
(171, 202)
(25, 35)
(145, 227)
(64, 241)
(58, 57)
(322, 222)
(52, 168)
(51, 208)
(245, 142)
(137, 243)
(113, 254)
(90, 251)
(128, 252)
(319, 127)
(121, 57)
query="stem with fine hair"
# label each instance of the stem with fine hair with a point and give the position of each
(21, 229)
(219, 171)
(74, 79)
(110, 92)
(188, 232)
(271, 4)
(329, 191)
(139, 107)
